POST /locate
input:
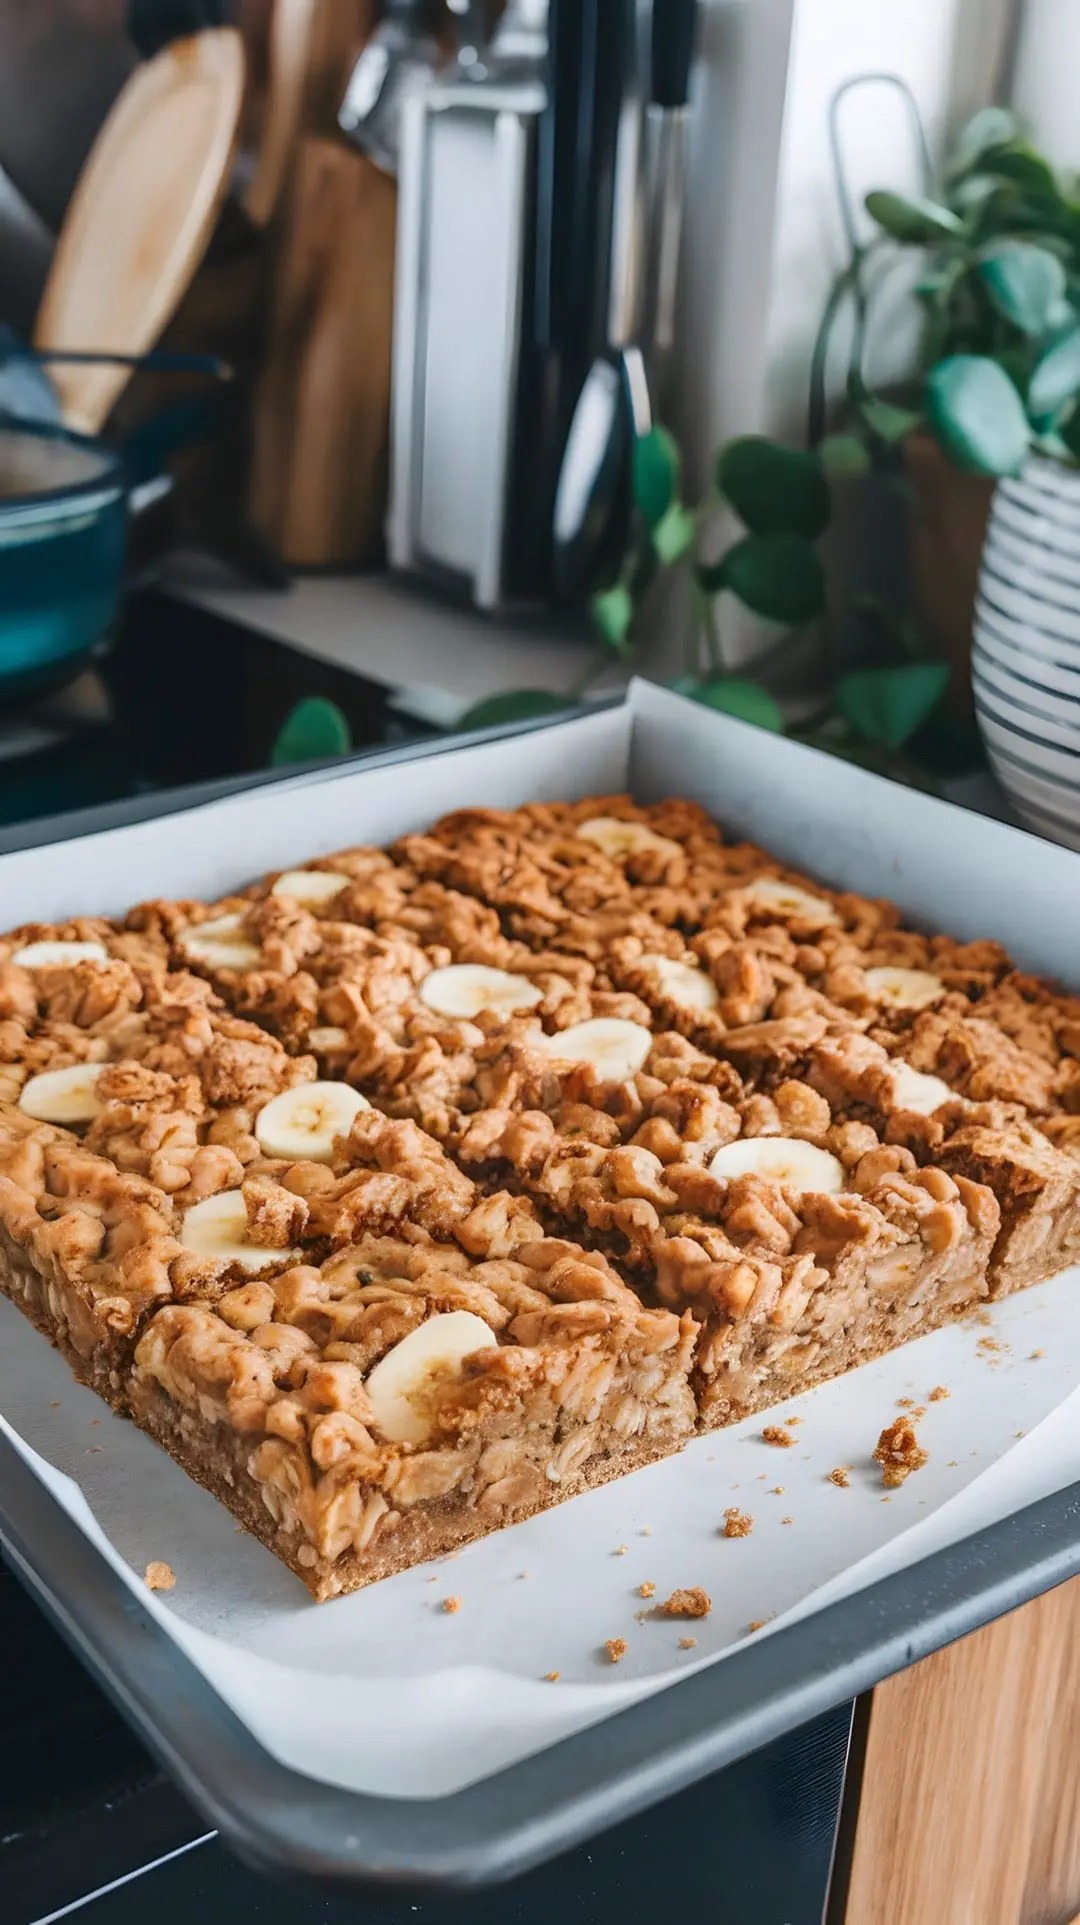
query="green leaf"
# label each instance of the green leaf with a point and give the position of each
(673, 533)
(313, 731)
(1022, 167)
(890, 424)
(991, 128)
(778, 576)
(1054, 445)
(656, 474)
(887, 705)
(1056, 377)
(746, 700)
(843, 455)
(613, 612)
(977, 415)
(1025, 283)
(911, 218)
(939, 284)
(518, 705)
(773, 489)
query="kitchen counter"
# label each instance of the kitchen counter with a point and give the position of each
(434, 659)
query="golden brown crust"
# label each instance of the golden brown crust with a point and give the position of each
(628, 1291)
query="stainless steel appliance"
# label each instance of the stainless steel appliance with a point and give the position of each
(525, 243)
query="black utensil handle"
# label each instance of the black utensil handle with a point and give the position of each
(674, 31)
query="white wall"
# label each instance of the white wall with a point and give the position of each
(763, 238)
(1046, 77)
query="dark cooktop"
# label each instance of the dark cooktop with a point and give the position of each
(180, 696)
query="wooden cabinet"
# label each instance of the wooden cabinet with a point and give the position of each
(962, 1804)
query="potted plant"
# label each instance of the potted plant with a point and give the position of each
(879, 705)
(994, 416)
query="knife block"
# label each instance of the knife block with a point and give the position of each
(322, 405)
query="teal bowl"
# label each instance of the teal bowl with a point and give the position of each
(63, 529)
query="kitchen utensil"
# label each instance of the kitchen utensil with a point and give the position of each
(141, 216)
(290, 44)
(400, 60)
(674, 25)
(614, 407)
(27, 393)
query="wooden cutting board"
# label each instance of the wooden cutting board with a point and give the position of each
(322, 408)
(142, 214)
(292, 25)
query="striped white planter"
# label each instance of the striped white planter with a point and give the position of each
(1026, 659)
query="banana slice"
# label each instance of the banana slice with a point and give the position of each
(322, 1041)
(401, 1385)
(217, 944)
(619, 839)
(784, 1159)
(904, 988)
(54, 955)
(310, 885)
(303, 1122)
(615, 1048)
(218, 1227)
(464, 989)
(784, 899)
(63, 1095)
(912, 1090)
(689, 987)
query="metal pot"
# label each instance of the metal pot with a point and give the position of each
(63, 529)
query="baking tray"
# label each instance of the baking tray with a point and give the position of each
(280, 1819)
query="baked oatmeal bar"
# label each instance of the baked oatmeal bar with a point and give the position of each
(401, 1398)
(803, 1242)
(697, 1132)
(1036, 1183)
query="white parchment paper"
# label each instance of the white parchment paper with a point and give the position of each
(388, 1692)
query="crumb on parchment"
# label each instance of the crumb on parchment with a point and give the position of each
(688, 1603)
(757, 1624)
(615, 1648)
(646, 1590)
(905, 1403)
(159, 1576)
(776, 1490)
(939, 1394)
(899, 1452)
(621, 1552)
(840, 1476)
(1037, 1353)
(776, 1434)
(451, 1605)
(787, 1520)
(687, 1644)
(737, 1523)
(552, 1677)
